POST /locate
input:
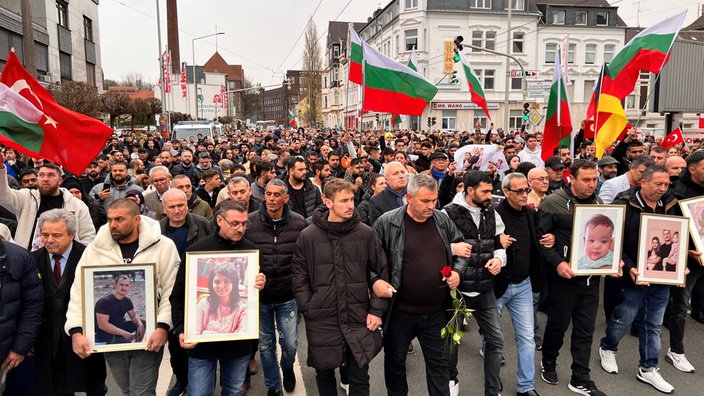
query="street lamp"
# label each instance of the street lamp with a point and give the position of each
(195, 80)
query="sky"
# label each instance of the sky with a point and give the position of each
(264, 36)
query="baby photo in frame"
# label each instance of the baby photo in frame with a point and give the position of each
(662, 249)
(119, 303)
(597, 239)
(221, 301)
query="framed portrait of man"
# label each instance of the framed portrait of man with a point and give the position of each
(119, 303)
(693, 209)
(597, 239)
(221, 301)
(662, 249)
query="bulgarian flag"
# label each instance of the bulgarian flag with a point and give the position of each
(396, 119)
(648, 51)
(355, 55)
(475, 86)
(413, 60)
(610, 118)
(291, 119)
(32, 123)
(558, 124)
(392, 87)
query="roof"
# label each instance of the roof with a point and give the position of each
(337, 30)
(217, 64)
(576, 3)
(685, 34)
(698, 24)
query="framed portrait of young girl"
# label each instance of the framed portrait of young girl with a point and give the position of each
(662, 249)
(221, 301)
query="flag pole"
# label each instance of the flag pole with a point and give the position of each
(596, 108)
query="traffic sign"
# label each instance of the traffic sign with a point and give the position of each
(535, 118)
(528, 74)
(538, 89)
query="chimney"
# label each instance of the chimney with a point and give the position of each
(172, 33)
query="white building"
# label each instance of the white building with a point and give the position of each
(209, 85)
(66, 39)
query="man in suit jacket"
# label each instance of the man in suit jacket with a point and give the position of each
(612, 187)
(393, 196)
(61, 370)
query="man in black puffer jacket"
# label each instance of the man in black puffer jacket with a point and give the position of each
(22, 301)
(337, 263)
(275, 228)
(480, 225)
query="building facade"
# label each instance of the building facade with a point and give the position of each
(66, 39)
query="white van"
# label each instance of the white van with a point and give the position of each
(186, 129)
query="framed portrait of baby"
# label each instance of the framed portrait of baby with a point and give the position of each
(693, 209)
(597, 238)
(119, 306)
(662, 249)
(221, 301)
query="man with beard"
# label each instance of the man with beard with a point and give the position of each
(335, 169)
(186, 167)
(480, 225)
(238, 189)
(166, 159)
(356, 179)
(128, 240)
(608, 168)
(28, 178)
(265, 173)
(116, 187)
(571, 298)
(337, 245)
(321, 170)
(28, 205)
(92, 177)
(205, 163)
(554, 167)
(628, 149)
(304, 196)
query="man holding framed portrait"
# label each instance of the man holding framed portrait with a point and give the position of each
(649, 197)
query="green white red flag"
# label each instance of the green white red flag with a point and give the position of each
(475, 86)
(413, 60)
(33, 123)
(355, 43)
(558, 124)
(390, 87)
(291, 119)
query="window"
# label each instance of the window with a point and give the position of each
(62, 7)
(571, 51)
(411, 4)
(588, 90)
(590, 54)
(550, 49)
(631, 101)
(411, 39)
(602, 18)
(88, 28)
(609, 52)
(517, 43)
(477, 37)
(42, 57)
(325, 101)
(515, 119)
(335, 51)
(490, 42)
(580, 18)
(449, 118)
(480, 4)
(516, 84)
(90, 74)
(558, 17)
(65, 64)
(479, 115)
(516, 5)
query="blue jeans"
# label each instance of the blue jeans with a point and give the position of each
(201, 376)
(283, 317)
(653, 300)
(518, 299)
(135, 372)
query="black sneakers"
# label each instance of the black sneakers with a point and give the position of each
(289, 379)
(586, 389)
(548, 372)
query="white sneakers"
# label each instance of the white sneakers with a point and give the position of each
(345, 387)
(679, 361)
(454, 388)
(608, 361)
(654, 378)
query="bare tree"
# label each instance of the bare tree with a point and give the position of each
(116, 104)
(77, 96)
(312, 67)
(251, 101)
(135, 80)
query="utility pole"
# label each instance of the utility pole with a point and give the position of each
(509, 42)
(30, 62)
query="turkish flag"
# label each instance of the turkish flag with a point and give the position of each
(589, 129)
(701, 120)
(672, 138)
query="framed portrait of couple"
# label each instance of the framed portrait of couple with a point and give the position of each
(221, 301)
(662, 249)
(119, 306)
(597, 239)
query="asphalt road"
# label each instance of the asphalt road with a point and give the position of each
(471, 367)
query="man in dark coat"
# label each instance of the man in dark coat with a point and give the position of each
(337, 263)
(394, 194)
(61, 370)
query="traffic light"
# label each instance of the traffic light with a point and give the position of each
(458, 48)
(453, 79)
(377, 118)
(430, 122)
(526, 111)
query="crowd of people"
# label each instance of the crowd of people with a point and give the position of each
(354, 230)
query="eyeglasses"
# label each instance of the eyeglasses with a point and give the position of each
(237, 224)
(522, 191)
(540, 179)
(160, 180)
